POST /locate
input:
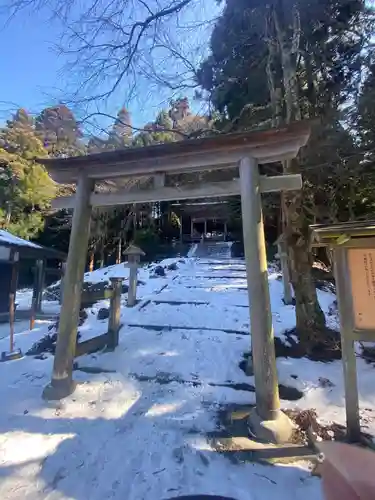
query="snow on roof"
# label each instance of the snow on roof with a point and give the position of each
(10, 239)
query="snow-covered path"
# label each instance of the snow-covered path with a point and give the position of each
(136, 426)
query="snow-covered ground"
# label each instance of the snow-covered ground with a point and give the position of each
(21, 327)
(136, 428)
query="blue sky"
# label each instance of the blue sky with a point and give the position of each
(31, 69)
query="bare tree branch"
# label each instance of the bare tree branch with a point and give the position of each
(105, 42)
(121, 50)
(138, 129)
(143, 27)
(192, 135)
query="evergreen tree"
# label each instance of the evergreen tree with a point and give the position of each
(59, 131)
(22, 118)
(157, 132)
(25, 187)
(363, 196)
(56, 231)
(366, 114)
(280, 61)
(164, 121)
(121, 133)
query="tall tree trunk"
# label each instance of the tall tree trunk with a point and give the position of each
(288, 49)
(91, 260)
(8, 215)
(351, 201)
(119, 250)
(127, 224)
(310, 319)
(274, 89)
(311, 90)
(101, 262)
(102, 253)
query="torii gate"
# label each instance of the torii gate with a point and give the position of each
(246, 150)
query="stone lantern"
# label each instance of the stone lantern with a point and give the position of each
(134, 255)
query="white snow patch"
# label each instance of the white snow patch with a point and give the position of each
(23, 338)
(136, 425)
(162, 409)
(122, 271)
(115, 271)
(323, 388)
(6, 237)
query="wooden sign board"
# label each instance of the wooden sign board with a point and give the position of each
(361, 263)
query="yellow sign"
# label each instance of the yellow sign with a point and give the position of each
(362, 276)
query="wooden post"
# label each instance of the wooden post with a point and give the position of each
(344, 301)
(225, 231)
(263, 350)
(262, 338)
(12, 297)
(205, 228)
(32, 313)
(11, 321)
(34, 299)
(12, 354)
(114, 313)
(181, 233)
(62, 383)
(63, 271)
(39, 275)
(283, 256)
(191, 228)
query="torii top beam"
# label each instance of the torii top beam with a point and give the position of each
(209, 153)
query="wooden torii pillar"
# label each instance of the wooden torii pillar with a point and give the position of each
(267, 421)
(62, 383)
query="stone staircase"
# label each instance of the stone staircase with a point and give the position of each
(214, 250)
